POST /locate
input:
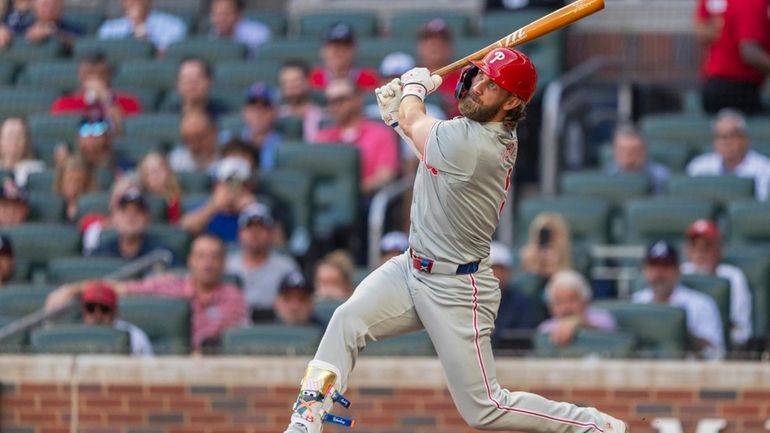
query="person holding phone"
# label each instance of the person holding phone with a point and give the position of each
(548, 249)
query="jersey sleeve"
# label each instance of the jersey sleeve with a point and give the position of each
(753, 18)
(450, 149)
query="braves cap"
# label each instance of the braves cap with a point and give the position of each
(133, 196)
(661, 252)
(295, 281)
(395, 64)
(99, 292)
(6, 246)
(255, 212)
(341, 33)
(703, 228)
(260, 93)
(436, 27)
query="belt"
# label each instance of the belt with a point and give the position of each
(431, 266)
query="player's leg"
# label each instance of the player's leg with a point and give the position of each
(459, 312)
(381, 306)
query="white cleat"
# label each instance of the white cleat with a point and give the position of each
(614, 425)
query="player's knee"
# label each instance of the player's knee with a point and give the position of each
(343, 317)
(477, 418)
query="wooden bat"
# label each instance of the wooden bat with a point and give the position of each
(553, 21)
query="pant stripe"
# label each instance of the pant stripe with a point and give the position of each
(486, 380)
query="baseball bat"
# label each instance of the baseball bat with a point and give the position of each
(553, 21)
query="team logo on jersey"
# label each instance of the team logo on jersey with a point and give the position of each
(432, 170)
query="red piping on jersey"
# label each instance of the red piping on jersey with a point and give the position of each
(430, 168)
(486, 380)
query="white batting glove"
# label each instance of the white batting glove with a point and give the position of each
(388, 99)
(419, 82)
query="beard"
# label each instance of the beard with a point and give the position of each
(473, 109)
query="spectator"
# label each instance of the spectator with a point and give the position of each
(73, 180)
(130, 219)
(219, 215)
(193, 87)
(240, 149)
(294, 303)
(198, 150)
(141, 22)
(7, 260)
(156, 177)
(333, 277)
(99, 307)
(629, 151)
(260, 268)
(216, 306)
(708, 20)
(375, 141)
(18, 17)
(16, 150)
(227, 22)
(94, 142)
(569, 301)
(435, 49)
(661, 271)
(516, 313)
(259, 114)
(95, 81)
(739, 59)
(549, 247)
(38, 24)
(393, 244)
(703, 248)
(732, 155)
(338, 54)
(296, 97)
(14, 204)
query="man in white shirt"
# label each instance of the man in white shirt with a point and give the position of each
(661, 270)
(732, 155)
(141, 22)
(704, 252)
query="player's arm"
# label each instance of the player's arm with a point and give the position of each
(416, 124)
(753, 54)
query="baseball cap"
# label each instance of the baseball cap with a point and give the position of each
(260, 93)
(394, 241)
(395, 64)
(233, 168)
(661, 252)
(255, 212)
(133, 196)
(500, 254)
(6, 246)
(99, 292)
(11, 191)
(341, 33)
(436, 27)
(294, 281)
(703, 228)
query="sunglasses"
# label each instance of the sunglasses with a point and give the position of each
(93, 129)
(91, 308)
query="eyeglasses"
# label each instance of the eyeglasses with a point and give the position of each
(93, 129)
(91, 308)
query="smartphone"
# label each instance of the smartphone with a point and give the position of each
(544, 237)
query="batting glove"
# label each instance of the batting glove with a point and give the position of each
(388, 99)
(419, 82)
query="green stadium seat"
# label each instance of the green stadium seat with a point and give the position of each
(210, 50)
(324, 309)
(755, 263)
(646, 220)
(748, 222)
(271, 340)
(80, 339)
(409, 23)
(411, 344)
(156, 74)
(290, 126)
(23, 101)
(292, 189)
(281, 50)
(7, 71)
(371, 51)
(116, 50)
(587, 342)
(495, 25)
(231, 98)
(588, 217)
(61, 76)
(41, 181)
(71, 269)
(194, 182)
(719, 290)
(44, 127)
(165, 320)
(15, 344)
(172, 236)
(718, 189)
(243, 74)
(86, 19)
(45, 207)
(45, 150)
(22, 52)
(694, 130)
(335, 171)
(21, 271)
(148, 97)
(660, 330)
(759, 129)
(41, 242)
(673, 155)
(277, 21)
(18, 300)
(161, 127)
(616, 188)
(533, 287)
(232, 122)
(133, 149)
(315, 24)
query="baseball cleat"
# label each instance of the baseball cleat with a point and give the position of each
(614, 425)
(315, 400)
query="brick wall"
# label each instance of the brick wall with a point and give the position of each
(203, 396)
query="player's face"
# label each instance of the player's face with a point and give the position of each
(484, 100)
(703, 253)
(662, 278)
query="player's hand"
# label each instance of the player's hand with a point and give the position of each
(388, 99)
(565, 331)
(419, 82)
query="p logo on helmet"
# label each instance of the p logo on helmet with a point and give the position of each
(506, 67)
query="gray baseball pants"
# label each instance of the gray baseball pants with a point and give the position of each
(458, 312)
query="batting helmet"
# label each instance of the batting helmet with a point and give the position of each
(509, 69)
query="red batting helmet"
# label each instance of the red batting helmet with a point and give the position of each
(511, 70)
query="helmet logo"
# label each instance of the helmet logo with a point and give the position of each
(498, 55)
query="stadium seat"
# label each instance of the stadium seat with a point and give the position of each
(45, 150)
(588, 217)
(371, 51)
(275, 20)
(21, 52)
(412, 344)
(335, 171)
(755, 263)
(747, 222)
(292, 189)
(280, 50)
(673, 155)
(7, 71)
(587, 342)
(45, 207)
(71, 269)
(616, 188)
(494, 25)
(132, 149)
(99, 202)
(314, 24)
(174, 237)
(23, 100)
(61, 76)
(759, 129)
(718, 189)
(646, 220)
(271, 340)
(165, 320)
(194, 182)
(18, 300)
(719, 290)
(147, 96)
(80, 339)
(88, 20)
(291, 127)
(660, 330)
(533, 287)
(41, 242)
(409, 23)
(14, 344)
(230, 97)
(116, 50)
(694, 130)
(156, 74)
(243, 74)
(210, 50)
(41, 181)
(161, 127)
(44, 127)
(324, 309)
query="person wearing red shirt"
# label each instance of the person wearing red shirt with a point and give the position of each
(739, 59)
(435, 49)
(338, 55)
(708, 21)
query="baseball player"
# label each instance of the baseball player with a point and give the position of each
(443, 282)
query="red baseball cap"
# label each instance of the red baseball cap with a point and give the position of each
(99, 292)
(703, 228)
